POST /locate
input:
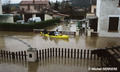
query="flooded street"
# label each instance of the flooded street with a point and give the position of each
(48, 65)
(9, 42)
(12, 41)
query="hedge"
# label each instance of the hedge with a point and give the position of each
(27, 27)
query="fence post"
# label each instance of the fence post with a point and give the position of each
(48, 52)
(40, 53)
(68, 52)
(22, 54)
(1, 53)
(59, 52)
(77, 53)
(65, 52)
(91, 55)
(84, 54)
(16, 55)
(71, 53)
(53, 52)
(87, 54)
(37, 54)
(7, 53)
(19, 55)
(13, 55)
(62, 52)
(4, 53)
(81, 54)
(74, 53)
(56, 52)
(45, 53)
(25, 54)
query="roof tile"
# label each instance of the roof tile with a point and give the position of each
(36, 2)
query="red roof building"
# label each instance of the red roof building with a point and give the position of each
(36, 2)
(33, 8)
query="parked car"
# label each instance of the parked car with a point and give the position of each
(33, 20)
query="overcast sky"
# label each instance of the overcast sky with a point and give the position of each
(18, 1)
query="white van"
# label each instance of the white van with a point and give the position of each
(33, 20)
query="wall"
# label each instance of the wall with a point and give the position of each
(0, 7)
(32, 10)
(7, 19)
(92, 8)
(47, 17)
(106, 9)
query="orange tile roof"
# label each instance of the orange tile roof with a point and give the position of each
(36, 2)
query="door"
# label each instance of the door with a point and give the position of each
(93, 24)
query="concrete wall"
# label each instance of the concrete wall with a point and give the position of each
(7, 19)
(0, 7)
(93, 7)
(106, 9)
(47, 17)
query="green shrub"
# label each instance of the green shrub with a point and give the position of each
(28, 27)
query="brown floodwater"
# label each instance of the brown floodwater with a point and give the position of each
(19, 41)
(48, 65)
(10, 41)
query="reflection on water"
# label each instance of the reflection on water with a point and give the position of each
(48, 65)
(2, 42)
(102, 42)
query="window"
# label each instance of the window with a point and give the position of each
(113, 24)
(36, 7)
(30, 55)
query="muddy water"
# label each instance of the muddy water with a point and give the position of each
(19, 41)
(48, 65)
(10, 41)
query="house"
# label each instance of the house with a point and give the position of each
(6, 18)
(33, 8)
(52, 14)
(108, 13)
(91, 16)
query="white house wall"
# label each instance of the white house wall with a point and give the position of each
(98, 7)
(0, 7)
(106, 9)
(47, 17)
(93, 7)
(23, 6)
